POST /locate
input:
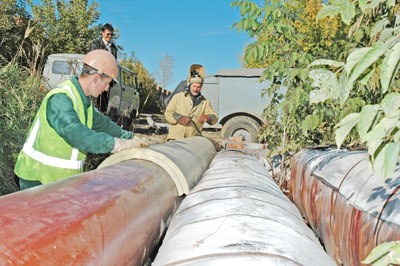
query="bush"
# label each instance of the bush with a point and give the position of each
(20, 97)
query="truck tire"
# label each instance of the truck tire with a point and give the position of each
(241, 126)
(113, 114)
(126, 123)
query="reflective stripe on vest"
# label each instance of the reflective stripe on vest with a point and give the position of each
(73, 163)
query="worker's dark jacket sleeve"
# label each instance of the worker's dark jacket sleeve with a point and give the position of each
(65, 121)
(99, 44)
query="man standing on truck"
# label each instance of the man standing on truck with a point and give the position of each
(67, 126)
(188, 110)
(105, 43)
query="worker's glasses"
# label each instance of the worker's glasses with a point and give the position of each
(109, 34)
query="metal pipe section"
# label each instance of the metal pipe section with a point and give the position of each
(237, 215)
(114, 215)
(184, 160)
(349, 208)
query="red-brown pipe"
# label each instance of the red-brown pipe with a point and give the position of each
(114, 215)
(111, 216)
(349, 208)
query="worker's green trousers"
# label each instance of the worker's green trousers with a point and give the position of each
(24, 184)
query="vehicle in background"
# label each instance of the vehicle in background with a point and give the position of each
(235, 94)
(123, 103)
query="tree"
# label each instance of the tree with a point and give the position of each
(370, 68)
(65, 26)
(339, 92)
(166, 70)
(14, 20)
(148, 95)
(286, 41)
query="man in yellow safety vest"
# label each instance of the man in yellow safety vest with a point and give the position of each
(67, 126)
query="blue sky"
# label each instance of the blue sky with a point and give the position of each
(193, 32)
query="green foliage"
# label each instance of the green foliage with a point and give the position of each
(327, 83)
(373, 69)
(344, 8)
(384, 254)
(378, 123)
(390, 67)
(286, 41)
(55, 26)
(349, 88)
(344, 126)
(65, 26)
(20, 97)
(14, 20)
(148, 95)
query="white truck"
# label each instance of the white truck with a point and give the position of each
(235, 94)
(123, 103)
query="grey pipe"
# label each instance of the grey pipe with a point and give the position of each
(237, 215)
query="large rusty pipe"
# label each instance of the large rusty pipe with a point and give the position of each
(349, 208)
(237, 215)
(114, 215)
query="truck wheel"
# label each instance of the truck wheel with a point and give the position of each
(113, 114)
(243, 127)
(126, 122)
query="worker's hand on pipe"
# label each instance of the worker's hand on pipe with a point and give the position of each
(203, 118)
(153, 140)
(124, 144)
(218, 143)
(184, 120)
(136, 142)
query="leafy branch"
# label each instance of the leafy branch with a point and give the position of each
(372, 68)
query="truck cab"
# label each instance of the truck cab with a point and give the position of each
(123, 103)
(235, 94)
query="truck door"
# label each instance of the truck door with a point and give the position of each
(210, 91)
(123, 102)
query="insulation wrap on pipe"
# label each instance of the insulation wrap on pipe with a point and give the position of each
(349, 208)
(237, 215)
(114, 215)
(184, 160)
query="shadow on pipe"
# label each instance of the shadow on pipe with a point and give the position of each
(237, 215)
(349, 208)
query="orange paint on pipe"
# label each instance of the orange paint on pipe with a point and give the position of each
(111, 216)
(341, 200)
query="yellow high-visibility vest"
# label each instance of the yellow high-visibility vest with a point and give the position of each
(46, 156)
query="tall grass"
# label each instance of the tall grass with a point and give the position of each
(20, 97)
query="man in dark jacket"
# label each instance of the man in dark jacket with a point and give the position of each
(104, 43)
